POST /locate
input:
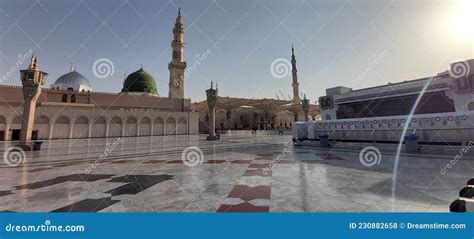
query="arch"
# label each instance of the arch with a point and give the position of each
(131, 126)
(182, 126)
(62, 127)
(81, 127)
(42, 126)
(470, 106)
(145, 126)
(100, 120)
(131, 120)
(158, 126)
(115, 127)
(63, 120)
(116, 120)
(99, 127)
(82, 120)
(64, 98)
(170, 126)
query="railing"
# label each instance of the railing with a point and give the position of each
(421, 121)
(402, 86)
(253, 132)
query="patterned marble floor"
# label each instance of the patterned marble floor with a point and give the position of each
(244, 173)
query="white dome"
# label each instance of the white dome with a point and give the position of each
(72, 81)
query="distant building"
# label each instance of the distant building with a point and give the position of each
(442, 107)
(71, 109)
(444, 93)
(252, 114)
(257, 114)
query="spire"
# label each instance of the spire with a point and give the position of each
(294, 74)
(292, 50)
(71, 67)
(178, 18)
(211, 85)
(34, 62)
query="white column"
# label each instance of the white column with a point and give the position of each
(138, 129)
(107, 130)
(7, 132)
(123, 129)
(70, 130)
(51, 131)
(90, 131)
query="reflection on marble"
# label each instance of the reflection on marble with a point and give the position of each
(147, 174)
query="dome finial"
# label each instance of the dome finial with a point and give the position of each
(179, 11)
(71, 67)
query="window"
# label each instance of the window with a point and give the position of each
(64, 98)
(73, 98)
(328, 117)
(471, 81)
(470, 106)
(70, 89)
(462, 84)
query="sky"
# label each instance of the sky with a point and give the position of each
(247, 43)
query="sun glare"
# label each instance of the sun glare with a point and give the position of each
(463, 19)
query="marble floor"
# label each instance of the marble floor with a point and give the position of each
(241, 173)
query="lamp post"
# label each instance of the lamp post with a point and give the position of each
(211, 103)
(32, 80)
(305, 105)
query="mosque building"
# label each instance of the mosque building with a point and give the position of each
(257, 114)
(70, 108)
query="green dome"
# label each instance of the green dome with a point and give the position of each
(140, 81)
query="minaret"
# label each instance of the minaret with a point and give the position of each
(32, 80)
(177, 64)
(295, 84)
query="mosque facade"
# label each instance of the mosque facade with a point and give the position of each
(70, 108)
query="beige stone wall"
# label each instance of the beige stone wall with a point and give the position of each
(74, 121)
(13, 96)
